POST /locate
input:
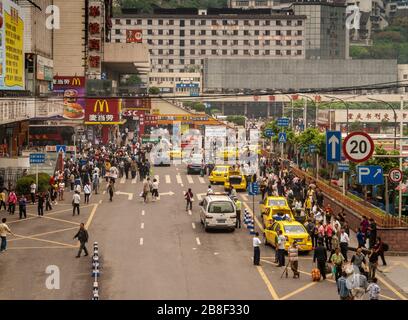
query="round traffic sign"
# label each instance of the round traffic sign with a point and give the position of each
(358, 147)
(395, 175)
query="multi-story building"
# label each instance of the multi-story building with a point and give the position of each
(251, 4)
(179, 40)
(180, 84)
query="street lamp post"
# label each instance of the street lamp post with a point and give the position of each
(395, 119)
(347, 110)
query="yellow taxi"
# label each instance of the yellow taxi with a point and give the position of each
(176, 153)
(235, 179)
(219, 174)
(271, 206)
(293, 231)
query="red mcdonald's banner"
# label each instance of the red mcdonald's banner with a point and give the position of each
(103, 111)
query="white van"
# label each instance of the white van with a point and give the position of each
(218, 212)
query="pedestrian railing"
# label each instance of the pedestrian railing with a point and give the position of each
(249, 222)
(383, 220)
(95, 271)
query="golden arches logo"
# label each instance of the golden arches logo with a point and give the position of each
(76, 82)
(102, 104)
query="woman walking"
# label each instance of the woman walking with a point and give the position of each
(87, 192)
(155, 189)
(110, 190)
(189, 199)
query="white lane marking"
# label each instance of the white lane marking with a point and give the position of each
(189, 212)
(141, 241)
(100, 201)
(143, 212)
(190, 179)
(142, 225)
(216, 253)
(193, 224)
(134, 181)
(194, 248)
(201, 179)
(178, 177)
(104, 192)
(168, 178)
(123, 180)
(245, 197)
(200, 196)
(198, 241)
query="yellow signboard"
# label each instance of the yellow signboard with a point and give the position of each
(11, 46)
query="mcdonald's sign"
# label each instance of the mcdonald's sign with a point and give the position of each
(63, 83)
(103, 111)
(76, 82)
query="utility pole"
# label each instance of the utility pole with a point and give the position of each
(304, 114)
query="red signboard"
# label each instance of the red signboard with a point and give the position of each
(136, 103)
(134, 36)
(102, 111)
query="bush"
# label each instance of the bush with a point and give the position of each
(324, 173)
(23, 184)
(154, 90)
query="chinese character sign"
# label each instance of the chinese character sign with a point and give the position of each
(102, 111)
(95, 36)
(133, 36)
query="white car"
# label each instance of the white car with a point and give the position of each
(161, 158)
(218, 212)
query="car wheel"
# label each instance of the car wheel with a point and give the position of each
(205, 228)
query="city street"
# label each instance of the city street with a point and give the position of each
(156, 250)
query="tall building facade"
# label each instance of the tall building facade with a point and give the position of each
(180, 40)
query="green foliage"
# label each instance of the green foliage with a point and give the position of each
(238, 120)
(312, 136)
(146, 6)
(154, 90)
(198, 106)
(386, 163)
(23, 184)
(214, 111)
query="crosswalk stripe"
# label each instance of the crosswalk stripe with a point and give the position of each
(201, 179)
(134, 181)
(190, 179)
(123, 180)
(168, 178)
(178, 177)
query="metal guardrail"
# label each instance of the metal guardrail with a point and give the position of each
(95, 272)
(385, 221)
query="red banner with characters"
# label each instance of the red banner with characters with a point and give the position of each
(133, 36)
(103, 111)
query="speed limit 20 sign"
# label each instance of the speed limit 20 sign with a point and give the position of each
(358, 147)
(395, 175)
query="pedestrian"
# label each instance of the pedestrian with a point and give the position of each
(364, 225)
(337, 259)
(238, 206)
(293, 253)
(358, 284)
(357, 261)
(281, 249)
(95, 181)
(188, 196)
(40, 205)
(210, 190)
(76, 200)
(344, 243)
(328, 236)
(12, 200)
(257, 251)
(3, 200)
(372, 263)
(48, 200)
(4, 230)
(381, 247)
(155, 189)
(61, 188)
(360, 238)
(87, 192)
(82, 236)
(110, 189)
(343, 291)
(372, 230)
(72, 181)
(146, 189)
(33, 188)
(373, 290)
(22, 206)
(320, 256)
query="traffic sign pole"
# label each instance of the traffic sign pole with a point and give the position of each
(344, 183)
(387, 200)
(36, 175)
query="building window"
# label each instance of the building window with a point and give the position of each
(203, 51)
(267, 33)
(160, 42)
(235, 42)
(160, 51)
(235, 32)
(192, 22)
(299, 22)
(213, 22)
(150, 31)
(171, 32)
(267, 23)
(171, 61)
(256, 52)
(192, 32)
(224, 22)
(246, 42)
(182, 43)
(299, 52)
(246, 52)
(288, 42)
(267, 42)
(192, 52)
(246, 23)
(278, 22)
(160, 61)
(214, 32)
(182, 23)
(288, 52)
(128, 21)
(267, 52)
(181, 53)
(235, 52)
(214, 42)
(246, 32)
(299, 32)
(257, 22)
(139, 21)
(181, 61)
(278, 33)
(289, 22)
(203, 22)
(171, 42)
(256, 42)
(160, 32)
(203, 42)
(150, 41)
(192, 61)
(182, 33)
(117, 21)
(171, 22)
(288, 32)
(117, 40)
(224, 42)
(299, 42)
(149, 22)
(224, 52)
(278, 52)
(117, 31)
(202, 32)
(192, 42)
(160, 22)
(171, 51)
(213, 52)
(278, 43)
(257, 32)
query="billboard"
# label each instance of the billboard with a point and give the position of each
(134, 36)
(11, 46)
(103, 111)
(73, 90)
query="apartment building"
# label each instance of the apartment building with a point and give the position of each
(250, 4)
(180, 39)
(180, 84)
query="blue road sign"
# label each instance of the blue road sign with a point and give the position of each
(62, 148)
(283, 122)
(282, 137)
(333, 146)
(312, 148)
(370, 175)
(343, 167)
(269, 133)
(253, 189)
(36, 158)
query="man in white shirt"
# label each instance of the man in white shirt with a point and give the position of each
(281, 249)
(33, 188)
(344, 242)
(210, 190)
(4, 230)
(76, 200)
(257, 252)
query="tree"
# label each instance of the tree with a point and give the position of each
(238, 120)
(154, 90)
(198, 106)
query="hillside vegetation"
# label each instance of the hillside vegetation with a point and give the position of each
(146, 6)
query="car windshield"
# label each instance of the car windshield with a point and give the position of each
(221, 207)
(276, 203)
(294, 229)
(221, 169)
(235, 180)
